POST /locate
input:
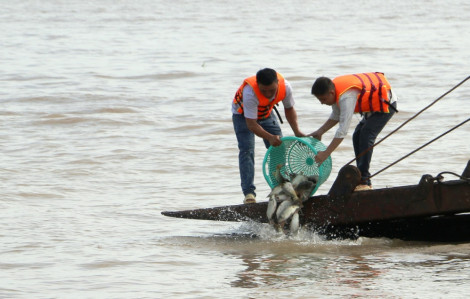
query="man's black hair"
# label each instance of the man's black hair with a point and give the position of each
(266, 76)
(321, 86)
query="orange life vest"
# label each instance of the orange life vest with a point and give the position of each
(374, 89)
(264, 107)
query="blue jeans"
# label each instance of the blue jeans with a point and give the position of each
(364, 137)
(246, 146)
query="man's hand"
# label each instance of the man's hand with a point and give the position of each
(330, 123)
(275, 140)
(317, 134)
(320, 157)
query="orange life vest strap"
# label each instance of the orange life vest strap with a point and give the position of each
(363, 91)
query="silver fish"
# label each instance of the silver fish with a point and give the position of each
(282, 196)
(275, 192)
(282, 206)
(295, 223)
(304, 189)
(285, 200)
(272, 205)
(298, 179)
(289, 190)
(286, 214)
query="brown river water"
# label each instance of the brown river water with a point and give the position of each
(114, 111)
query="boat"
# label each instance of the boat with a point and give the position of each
(434, 210)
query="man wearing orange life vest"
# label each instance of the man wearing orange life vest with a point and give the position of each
(252, 115)
(370, 95)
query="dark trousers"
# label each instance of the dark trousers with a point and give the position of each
(364, 137)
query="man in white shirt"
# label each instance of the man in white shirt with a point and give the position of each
(369, 94)
(252, 115)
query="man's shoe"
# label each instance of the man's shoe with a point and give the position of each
(249, 198)
(363, 188)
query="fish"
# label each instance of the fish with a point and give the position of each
(289, 190)
(295, 223)
(281, 207)
(272, 206)
(282, 196)
(276, 192)
(286, 199)
(298, 179)
(277, 174)
(313, 178)
(304, 189)
(279, 194)
(286, 213)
